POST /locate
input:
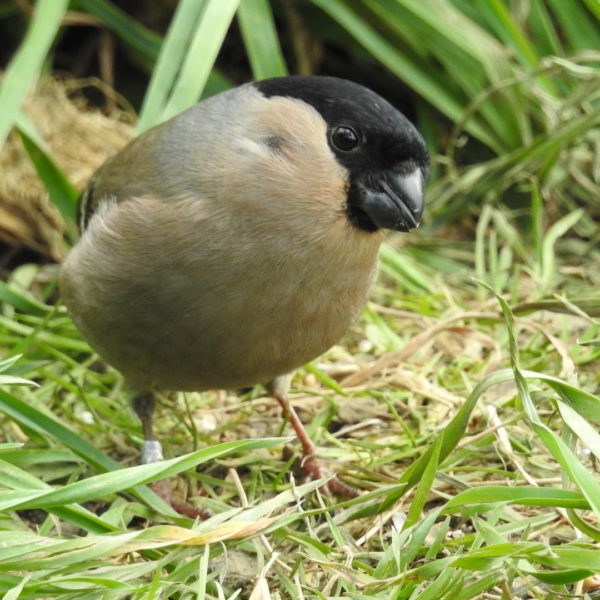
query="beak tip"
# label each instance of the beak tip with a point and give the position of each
(398, 204)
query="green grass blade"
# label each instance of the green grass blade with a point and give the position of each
(424, 486)
(584, 480)
(29, 417)
(169, 61)
(140, 38)
(35, 420)
(260, 38)
(450, 437)
(525, 495)
(405, 270)
(413, 74)
(594, 7)
(580, 31)
(548, 41)
(556, 231)
(23, 301)
(471, 58)
(5, 365)
(125, 479)
(206, 42)
(39, 334)
(26, 125)
(18, 480)
(563, 577)
(581, 428)
(26, 64)
(508, 31)
(62, 192)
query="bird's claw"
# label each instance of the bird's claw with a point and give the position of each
(314, 469)
(163, 489)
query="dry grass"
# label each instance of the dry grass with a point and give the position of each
(79, 139)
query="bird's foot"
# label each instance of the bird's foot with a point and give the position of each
(163, 489)
(312, 467)
(152, 453)
(315, 469)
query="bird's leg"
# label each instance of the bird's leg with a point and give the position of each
(143, 405)
(311, 465)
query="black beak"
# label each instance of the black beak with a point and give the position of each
(399, 202)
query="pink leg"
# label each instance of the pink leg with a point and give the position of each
(311, 465)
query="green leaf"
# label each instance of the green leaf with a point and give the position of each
(424, 485)
(584, 480)
(24, 69)
(408, 71)
(594, 7)
(23, 301)
(564, 577)
(556, 231)
(204, 47)
(525, 495)
(13, 380)
(172, 54)
(260, 38)
(20, 480)
(579, 30)
(62, 192)
(404, 270)
(125, 479)
(31, 418)
(325, 379)
(489, 556)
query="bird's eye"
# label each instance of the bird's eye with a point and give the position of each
(344, 138)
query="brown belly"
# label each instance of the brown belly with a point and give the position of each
(208, 340)
(183, 314)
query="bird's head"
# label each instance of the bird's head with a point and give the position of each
(383, 155)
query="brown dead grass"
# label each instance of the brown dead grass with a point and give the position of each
(78, 137)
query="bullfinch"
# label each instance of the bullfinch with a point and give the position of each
(237, 241)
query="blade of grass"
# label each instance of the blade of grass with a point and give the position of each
(30, 418)
(508, 31)
(169, 61)
(548, 41)
(555, 445)
(125, 479)
(405, 270)
(23, 301)
(556, 231)
(260, 39)
(145, 42)
(470, 56)
(35, 420)
(424, 486)
(580, 31)
(27, 126)
(525, 495)
(451, 435)
(411, 73)
(594, 7)
(26, 64)
(206, 42)
(16, 478)
(62, 192)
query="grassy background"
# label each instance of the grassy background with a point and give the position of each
(465, 402)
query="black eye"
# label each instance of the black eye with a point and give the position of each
(344, 138)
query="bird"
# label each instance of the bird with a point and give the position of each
(237, 241)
